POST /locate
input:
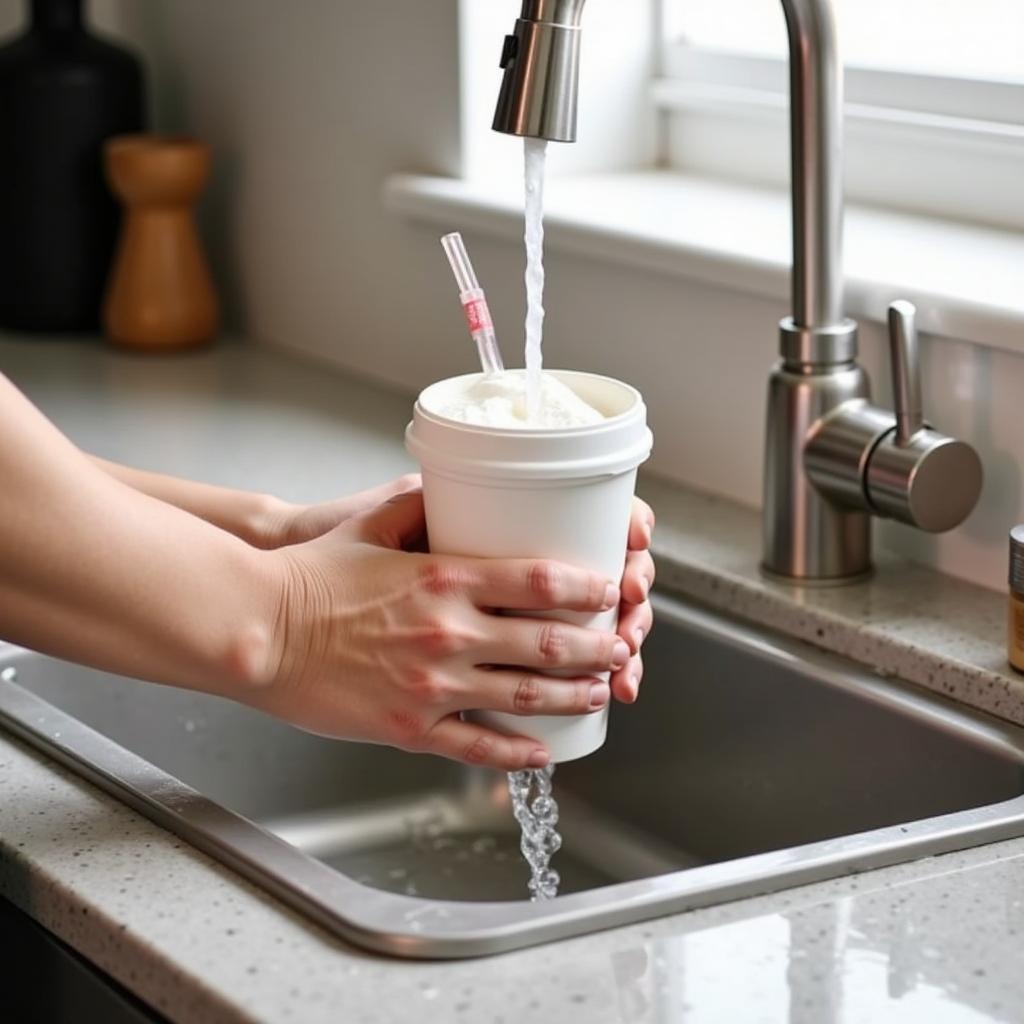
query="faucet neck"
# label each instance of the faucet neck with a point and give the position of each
(816, 147)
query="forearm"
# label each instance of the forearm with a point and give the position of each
(255, 518)
(96, 571)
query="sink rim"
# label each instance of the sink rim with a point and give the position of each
(422, 928)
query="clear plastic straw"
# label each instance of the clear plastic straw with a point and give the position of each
(474, 304)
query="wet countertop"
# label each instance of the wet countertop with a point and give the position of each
(938, 940)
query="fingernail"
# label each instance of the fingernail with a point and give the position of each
(620, 654)
(634, 688)
(639, 636)
(645, 587)
(611, 596)
(599, 694)
(538, 759)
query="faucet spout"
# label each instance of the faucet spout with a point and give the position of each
(541, 59)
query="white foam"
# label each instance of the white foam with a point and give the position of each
(500, 401)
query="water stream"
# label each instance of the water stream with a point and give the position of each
(532, 803)
(535, 154)
(537, 813)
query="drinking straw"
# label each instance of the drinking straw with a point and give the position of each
(474, 304)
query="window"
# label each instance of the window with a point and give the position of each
(934, 94)
(967, 38)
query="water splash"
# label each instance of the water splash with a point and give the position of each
(537, 813)
(535, 154)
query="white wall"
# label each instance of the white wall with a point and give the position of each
(311, 104)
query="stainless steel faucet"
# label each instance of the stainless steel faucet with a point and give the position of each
(832, 459)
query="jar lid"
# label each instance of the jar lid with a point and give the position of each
(1017, 558)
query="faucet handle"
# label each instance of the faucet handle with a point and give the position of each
(915, 474)
(906, 370)
(864, 457)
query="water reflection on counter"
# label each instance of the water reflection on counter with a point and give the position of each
(909, 954)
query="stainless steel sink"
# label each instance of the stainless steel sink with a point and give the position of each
(752, 763)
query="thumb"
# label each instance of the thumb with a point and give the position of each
(396, 523)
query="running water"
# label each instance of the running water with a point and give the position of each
(532, 803)
(535, 151)
(537, 813)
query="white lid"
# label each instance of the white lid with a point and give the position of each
(617, 444)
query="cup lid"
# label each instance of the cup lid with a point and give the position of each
(617, 444)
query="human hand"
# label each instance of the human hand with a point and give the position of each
(379, 644)
(635, 614)
(296, 524)
(286, 523)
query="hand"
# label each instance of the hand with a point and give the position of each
(296, 524)
(379, 644)
(635, 614)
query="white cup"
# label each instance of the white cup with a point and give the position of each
(562, 493)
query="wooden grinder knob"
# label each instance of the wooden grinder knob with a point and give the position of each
(160, 295)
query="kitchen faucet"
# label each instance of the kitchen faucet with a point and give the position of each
(832, 459)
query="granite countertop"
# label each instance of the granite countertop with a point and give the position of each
(934, 941)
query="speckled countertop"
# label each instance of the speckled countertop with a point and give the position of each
(934, 941)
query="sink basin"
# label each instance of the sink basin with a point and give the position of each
(752, 763)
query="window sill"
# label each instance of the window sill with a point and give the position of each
(965, 279)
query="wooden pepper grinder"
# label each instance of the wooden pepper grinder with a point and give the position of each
(160, 295)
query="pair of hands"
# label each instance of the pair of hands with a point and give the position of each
(377, 640)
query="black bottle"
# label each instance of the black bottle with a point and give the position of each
(62, 92)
